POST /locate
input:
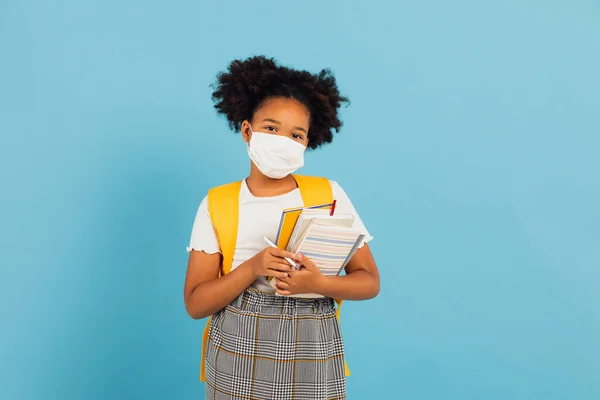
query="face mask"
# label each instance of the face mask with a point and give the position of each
(275, 156)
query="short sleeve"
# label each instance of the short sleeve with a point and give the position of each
(204, 237)
(345, 206)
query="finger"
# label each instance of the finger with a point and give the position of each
(292, 274)
(277, 274)
(280, 266)
(290, 262)
(283, 285)
(283, 292)
(277, 252)
(306, 262)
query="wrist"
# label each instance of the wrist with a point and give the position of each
(248, 269)
(321, 284)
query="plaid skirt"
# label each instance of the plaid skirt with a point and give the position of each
(264, 346)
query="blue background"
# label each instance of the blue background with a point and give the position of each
(471, 150)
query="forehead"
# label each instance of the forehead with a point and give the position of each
(284, 110)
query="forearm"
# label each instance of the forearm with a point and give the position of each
(358, 285)
(211, 296)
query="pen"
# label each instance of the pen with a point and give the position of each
(289, 260)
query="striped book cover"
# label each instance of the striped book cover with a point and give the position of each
(328, 246)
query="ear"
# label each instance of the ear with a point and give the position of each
(246, 131)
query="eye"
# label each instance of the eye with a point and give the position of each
(297, 136)
(271, 128)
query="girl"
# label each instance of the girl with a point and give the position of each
(259, 345)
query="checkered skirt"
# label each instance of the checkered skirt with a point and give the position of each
(264, 346)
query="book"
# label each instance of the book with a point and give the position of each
(288, 220)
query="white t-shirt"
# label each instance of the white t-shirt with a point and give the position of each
(259, 217)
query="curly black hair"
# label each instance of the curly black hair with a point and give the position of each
(241, 90)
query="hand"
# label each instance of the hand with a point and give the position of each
(271, 262)
(309, 279)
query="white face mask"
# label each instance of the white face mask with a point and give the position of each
(274, 155)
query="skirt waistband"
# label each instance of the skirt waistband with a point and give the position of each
(254, 300)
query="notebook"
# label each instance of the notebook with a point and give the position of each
(330, 247)
(324, 218)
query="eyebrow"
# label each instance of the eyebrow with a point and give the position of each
(277, 122)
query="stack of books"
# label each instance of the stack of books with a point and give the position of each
(320, 234)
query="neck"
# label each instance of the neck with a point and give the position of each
(261, 185)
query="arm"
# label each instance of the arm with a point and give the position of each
(205, 292)
(361, 281)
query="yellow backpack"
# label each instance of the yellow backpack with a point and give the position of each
(224, 208)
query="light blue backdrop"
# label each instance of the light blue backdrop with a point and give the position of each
(471, 149)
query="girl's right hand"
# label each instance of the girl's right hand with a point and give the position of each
(271, 262)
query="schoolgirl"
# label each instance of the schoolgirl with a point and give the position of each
(258, 345)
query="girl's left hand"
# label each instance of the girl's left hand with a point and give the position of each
(309, 279)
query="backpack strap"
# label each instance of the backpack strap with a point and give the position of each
(314, 190)
(224, 210)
